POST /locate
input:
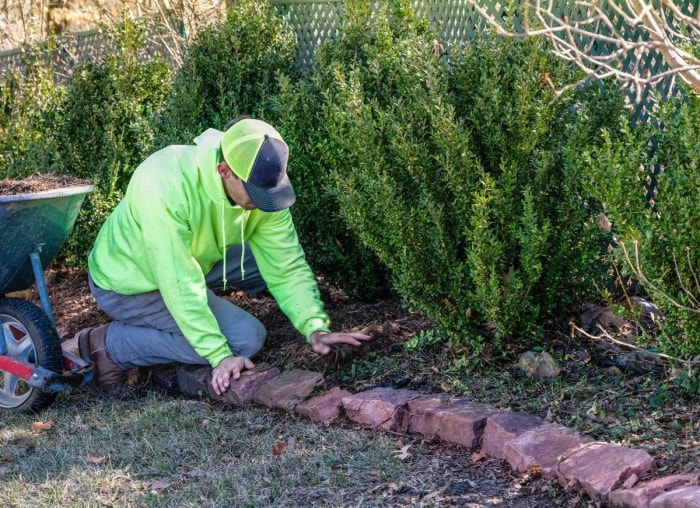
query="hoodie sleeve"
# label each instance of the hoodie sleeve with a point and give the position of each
(282, 263)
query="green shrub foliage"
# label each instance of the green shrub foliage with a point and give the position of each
(461, 174)
(649, 178)
(374, 78)
(533, 249)
(25, 98)
(230, 69)
(102, 127)
(332, 248)
(319, 152)
(454, 177)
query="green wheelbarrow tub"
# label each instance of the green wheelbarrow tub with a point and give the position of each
(38, 221)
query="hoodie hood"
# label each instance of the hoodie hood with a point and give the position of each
(208, 155)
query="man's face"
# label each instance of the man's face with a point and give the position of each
(234, 187)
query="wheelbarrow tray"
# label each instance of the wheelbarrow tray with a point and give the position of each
(33, 366)
(38, 221)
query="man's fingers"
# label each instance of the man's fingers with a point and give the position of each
(217, 386)
(230, 367)
(360, 335)
(344, 338)
(223, 381)
(321, 348)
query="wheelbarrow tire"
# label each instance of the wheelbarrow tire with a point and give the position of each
(29, 322)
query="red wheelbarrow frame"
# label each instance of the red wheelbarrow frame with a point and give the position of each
(76, 372)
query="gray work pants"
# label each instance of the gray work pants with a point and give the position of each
(144, 332)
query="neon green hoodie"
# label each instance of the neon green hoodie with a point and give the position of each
(175, 222)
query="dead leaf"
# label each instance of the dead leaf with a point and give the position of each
(629, 482)
(39, 427)
(158, 485)
(278, 449)
(547, 80)
(477, 456)
(96, 459)
(403, 452)
(438, 49)
(549, 417)
(433, 495)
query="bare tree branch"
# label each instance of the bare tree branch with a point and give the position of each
(605, 336)
(636, 267)
(663, 27)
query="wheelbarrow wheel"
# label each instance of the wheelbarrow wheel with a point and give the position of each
(29, 336)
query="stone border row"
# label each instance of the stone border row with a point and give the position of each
(607, 473)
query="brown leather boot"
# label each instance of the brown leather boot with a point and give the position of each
(108, 377)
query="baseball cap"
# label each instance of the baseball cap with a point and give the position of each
(258, 155)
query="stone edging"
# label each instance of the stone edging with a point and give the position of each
(607, 473)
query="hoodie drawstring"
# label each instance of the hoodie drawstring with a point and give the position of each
(245, 216)
(223, 239)
(223, 248)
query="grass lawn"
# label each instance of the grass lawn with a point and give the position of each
(165, 450)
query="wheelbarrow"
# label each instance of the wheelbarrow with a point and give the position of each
(33, 366)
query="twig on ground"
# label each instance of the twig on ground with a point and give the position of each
(605, 336)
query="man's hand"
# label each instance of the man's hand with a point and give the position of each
(321, 342)
(230, 367)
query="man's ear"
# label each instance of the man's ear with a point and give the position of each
(223, 170)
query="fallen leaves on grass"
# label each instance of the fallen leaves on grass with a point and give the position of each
(39, 427)
(157, 486)
(391, 487)
(402, 453)
(278, 448)
(93, 458)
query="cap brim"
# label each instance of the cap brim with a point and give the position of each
(272, 199)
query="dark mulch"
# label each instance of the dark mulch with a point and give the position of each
(38, 183)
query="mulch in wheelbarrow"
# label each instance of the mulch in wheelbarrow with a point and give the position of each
(38, 183)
